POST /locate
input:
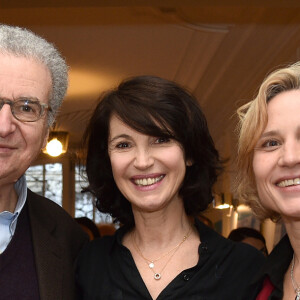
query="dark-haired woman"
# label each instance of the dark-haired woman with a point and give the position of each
(151, 163)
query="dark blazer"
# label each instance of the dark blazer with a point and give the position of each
(57, 240)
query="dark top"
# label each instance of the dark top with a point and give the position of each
(18, 277)
(106, 270)
(274, 268)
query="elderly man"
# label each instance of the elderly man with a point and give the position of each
(39, 241)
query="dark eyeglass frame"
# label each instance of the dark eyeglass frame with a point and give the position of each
(42, 107)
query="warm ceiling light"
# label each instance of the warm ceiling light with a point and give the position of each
(222, 201)
(54, 147)
(57, 143)
(222, 206)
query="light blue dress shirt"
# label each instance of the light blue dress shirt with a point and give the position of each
(8, 220)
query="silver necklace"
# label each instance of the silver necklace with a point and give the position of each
(150, 263)
(294, 282)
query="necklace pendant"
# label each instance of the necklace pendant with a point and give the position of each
(157, 276)
(151, 265)
(297, 296)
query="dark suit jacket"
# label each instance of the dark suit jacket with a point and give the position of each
(57, 240)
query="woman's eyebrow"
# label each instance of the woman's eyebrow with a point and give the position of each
(126, 136)
(269, 133)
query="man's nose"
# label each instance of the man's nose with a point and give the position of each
(7, 121)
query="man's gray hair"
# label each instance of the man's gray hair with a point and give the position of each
(23, 42)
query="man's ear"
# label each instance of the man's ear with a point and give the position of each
(46, 138)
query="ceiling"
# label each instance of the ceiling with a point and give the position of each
(219, 49)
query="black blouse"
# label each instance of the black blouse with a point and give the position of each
(274, 268)
(106, 270)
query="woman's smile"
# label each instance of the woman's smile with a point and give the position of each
(289, 182)
(147, 180)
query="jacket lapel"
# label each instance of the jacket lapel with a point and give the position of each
(48, 254)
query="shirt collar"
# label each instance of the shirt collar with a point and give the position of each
(21, 190)
(211, 241)
(278, 262)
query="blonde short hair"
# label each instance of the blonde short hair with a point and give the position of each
(253, 120)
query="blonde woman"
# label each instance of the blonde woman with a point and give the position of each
(269, 176)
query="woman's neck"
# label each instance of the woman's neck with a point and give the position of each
(163, 228)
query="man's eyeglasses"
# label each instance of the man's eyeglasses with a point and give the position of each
(26, 109)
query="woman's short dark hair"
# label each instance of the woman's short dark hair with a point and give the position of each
(160, 108)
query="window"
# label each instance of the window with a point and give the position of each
(46, 180)
(84, 202)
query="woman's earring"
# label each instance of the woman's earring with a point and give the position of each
(189, 163)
